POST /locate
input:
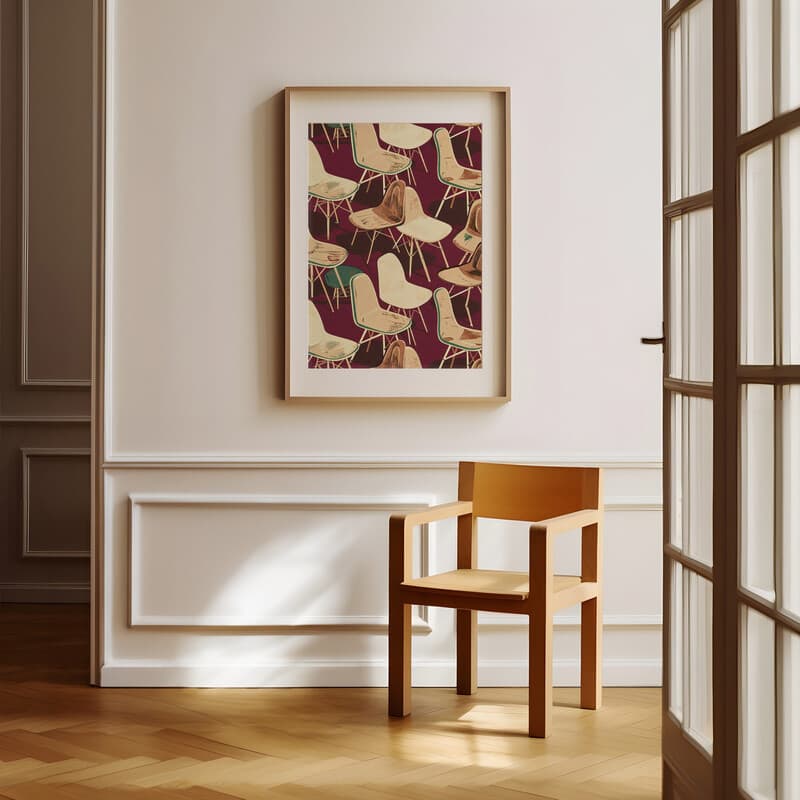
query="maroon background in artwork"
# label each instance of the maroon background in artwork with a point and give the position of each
(340, 322)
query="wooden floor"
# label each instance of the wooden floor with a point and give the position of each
(62, 740)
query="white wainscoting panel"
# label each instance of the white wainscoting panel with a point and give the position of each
(275, 575)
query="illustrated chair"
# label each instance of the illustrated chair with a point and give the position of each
(396, 291)
(458, 180)
(383, 217)
(418, 229)
(329, 192)
(322, 256)
(374, 321)
(371, 157)
(407, 138)
(338, 279)
(398, 355)
(554, 500)
(325, 348)
(468, 276)
(469, 237)
(458, 339)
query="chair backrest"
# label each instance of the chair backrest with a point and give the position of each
(474, 266)
(316, 330)
(316, 169)
(412, 205)
(411, 359)
(527, 493)
(474, 224)
(391, 207)
(363, 297)
(446, 157)
(364, 141)
(448, 326)
(390, 274)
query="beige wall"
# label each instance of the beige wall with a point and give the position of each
(228, 478)
(45, 292)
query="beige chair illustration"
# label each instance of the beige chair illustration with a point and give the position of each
(467, 276)
(399, 355)
(330, 192)
(382, 218)
(371, 157)
(469, 237)
(407, 138)
(418, 229)
(397, 292)
(466, 131)
(458, 339)
(322, 256)
(374, 321)
(327, 349)
(458, 180)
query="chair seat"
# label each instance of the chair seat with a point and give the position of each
(457, 276)
(384, 161)
(406, 296)
(487, 582)
(325, 254)
(404, 135)
(344, 274)
(426, 229)
(333, 188)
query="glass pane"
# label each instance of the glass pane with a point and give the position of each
(790, 563)
(757, 737)
(755, 63)
(758, 490)
(691, 296)
(790, 240)
(676, 289)
(677, 432)
(789, 722)
(676, 111)
(676, 641)
(755, 194)
(701, 295)
(700, 465)
(690, 102)
(790, 57)
(700, 722)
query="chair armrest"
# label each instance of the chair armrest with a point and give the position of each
(567, 522)
(445, 511)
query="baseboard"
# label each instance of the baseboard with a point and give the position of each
(616, 672)
(44, 593)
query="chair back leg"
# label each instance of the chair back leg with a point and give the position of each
(466, 652)
(591, 646)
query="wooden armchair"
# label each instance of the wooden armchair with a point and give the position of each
(555, 500)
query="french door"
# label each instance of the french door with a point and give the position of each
(731, 80)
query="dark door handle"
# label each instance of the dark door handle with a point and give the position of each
(654, 339)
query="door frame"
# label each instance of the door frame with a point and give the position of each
(99, 130)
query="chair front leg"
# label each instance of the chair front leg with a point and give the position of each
(592, 618)
(540, 635)
(466, 621)
(399, 658)
(400, 561)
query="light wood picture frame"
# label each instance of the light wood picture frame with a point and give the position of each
(392, 205)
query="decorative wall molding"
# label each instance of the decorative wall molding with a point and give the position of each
(44, 592)
(210, 461)
(15, 419)
(25, 379)
(27, 454)
(342, 673)
(364, 623)
(487, 620)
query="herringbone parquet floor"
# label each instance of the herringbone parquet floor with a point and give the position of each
(62, 740)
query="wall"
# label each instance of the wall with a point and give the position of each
(248, 511)
(45, 299)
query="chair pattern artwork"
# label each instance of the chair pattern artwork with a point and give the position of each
(394, 221)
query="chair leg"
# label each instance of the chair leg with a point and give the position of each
(591, 653)
(466, 652)
(399, 659)
(540, 673)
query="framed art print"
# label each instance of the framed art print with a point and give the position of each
(397, 243)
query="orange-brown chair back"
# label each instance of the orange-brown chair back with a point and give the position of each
(527, 493)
